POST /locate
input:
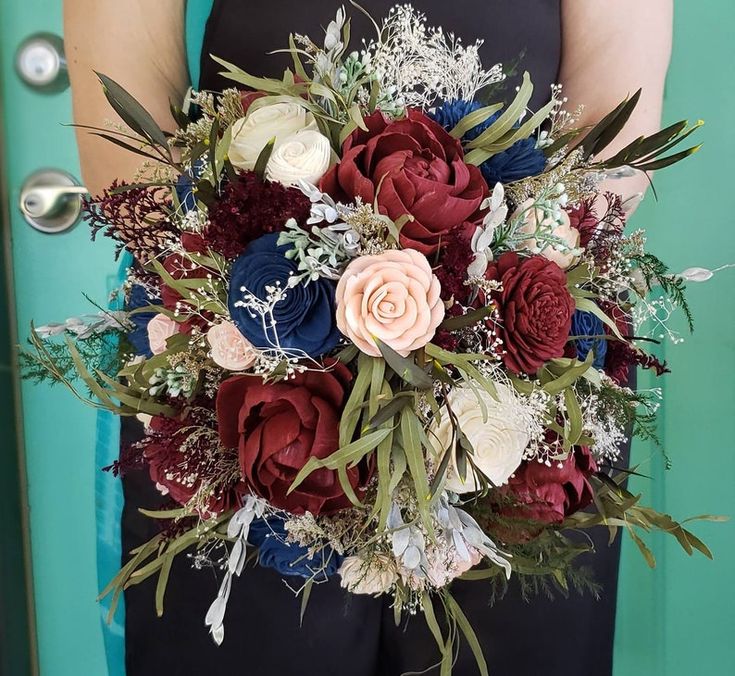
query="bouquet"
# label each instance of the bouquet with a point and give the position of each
(379, 325)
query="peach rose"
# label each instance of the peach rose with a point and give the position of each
(160, 329)
(392, 296)
(535, 219)
(230, 349)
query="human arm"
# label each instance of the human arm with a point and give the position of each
(609, 51)
(138, 44)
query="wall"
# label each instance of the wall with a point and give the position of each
(679, 619)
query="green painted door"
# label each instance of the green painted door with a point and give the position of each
(51, 272)
(675, 621)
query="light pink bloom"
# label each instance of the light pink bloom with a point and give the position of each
(535, 219)
(392, 296)
(160, 329)
(230, 349)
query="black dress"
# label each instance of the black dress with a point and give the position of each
(343, 634)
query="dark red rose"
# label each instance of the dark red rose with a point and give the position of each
(277, 427)
(180, 267)
(416, 168)
(547, 495)
(200, 470)
(535, 310)
(247, 98)
(583, 217)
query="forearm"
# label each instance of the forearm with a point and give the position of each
(138, 44)
(609, 51)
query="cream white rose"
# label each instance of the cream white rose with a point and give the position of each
(498, 439)
(303, 156)
(250, 134)
(535, 219)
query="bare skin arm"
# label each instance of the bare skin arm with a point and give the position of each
(610, 49)
(139, 44)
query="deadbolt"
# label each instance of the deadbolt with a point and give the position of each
(41, 64)
(51, 200)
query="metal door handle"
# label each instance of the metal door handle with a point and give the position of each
(51, 200)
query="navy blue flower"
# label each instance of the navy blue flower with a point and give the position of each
(521, 160)
(305, 318)
(288, 558)
(450, 113)
(138, 337)
(587, 324)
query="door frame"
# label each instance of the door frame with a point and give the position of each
(18, 647)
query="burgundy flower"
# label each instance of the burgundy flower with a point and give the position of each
(183, 466)
(250, 207)
(414, 167)
(547, 495)
(583, 217)
(535, 309)
(278, 427)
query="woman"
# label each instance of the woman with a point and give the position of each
(600, 51)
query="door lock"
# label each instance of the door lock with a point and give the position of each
(51, 200)
(41, 64)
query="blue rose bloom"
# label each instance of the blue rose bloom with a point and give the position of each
(587, 324)
(138, 337)
(450, 113)
(305, 318)
(288, 558)
(521, 160)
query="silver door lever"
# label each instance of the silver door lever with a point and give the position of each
(51, 200)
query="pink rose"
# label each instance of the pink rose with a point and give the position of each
(160, 329)
(230, 349)
(392, 296)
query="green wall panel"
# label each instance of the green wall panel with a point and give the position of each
(679, 619)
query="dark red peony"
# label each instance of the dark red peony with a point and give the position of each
(547, 495)
(415, 167)
(277, 427)
(191, 468)
(535, 310)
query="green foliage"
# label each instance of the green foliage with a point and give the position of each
(656, 271)
(53, 363)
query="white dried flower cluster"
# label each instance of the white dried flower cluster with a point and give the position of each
(423, 64)
(87, 326)
(350, 230)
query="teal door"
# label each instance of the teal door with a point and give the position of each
(51, 272)
(675, 621)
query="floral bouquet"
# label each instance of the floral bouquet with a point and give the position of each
(379, 325)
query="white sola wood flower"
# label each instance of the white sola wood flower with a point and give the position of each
(303, 156)
(250, 134)
(497, 429)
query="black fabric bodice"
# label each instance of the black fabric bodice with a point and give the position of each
(520, 34)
